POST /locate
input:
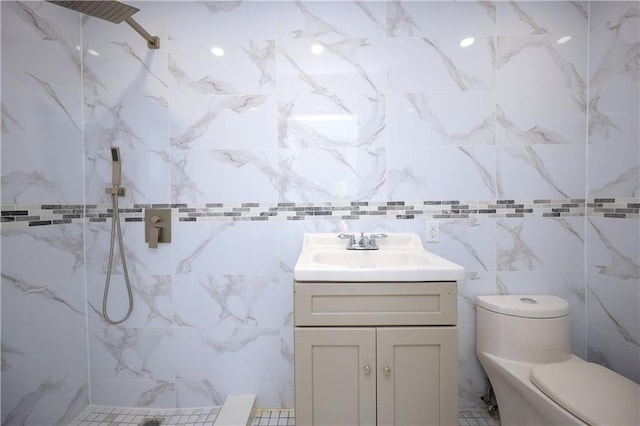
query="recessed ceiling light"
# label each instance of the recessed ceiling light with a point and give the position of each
(466, 42)
(564, 39)
(317, 49)
(217, 51)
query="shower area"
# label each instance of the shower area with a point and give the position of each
(255, 122)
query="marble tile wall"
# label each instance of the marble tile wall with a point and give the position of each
(612, 268)
(44, 322)
(326, 104)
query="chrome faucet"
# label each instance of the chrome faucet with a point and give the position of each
(363, 242)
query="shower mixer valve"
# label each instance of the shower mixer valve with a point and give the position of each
(157, 228)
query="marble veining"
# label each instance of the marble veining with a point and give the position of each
(151, 293)
(205, 389)
(149, 397)
(205, 85)
(184, 266)
(480, 133)
(119, 130)
(22, 182)
(528, 20)
(315, 121)
(622, 54)
(533, 135)
(230, 297)
(342, 116)
(237, 340)
(131, 350)
(315, 27)
(398, 18)
(237, 104)
(28, 289)
(67, 240)
(133, 54)
(462, 80)
(459, 232)
(47, 30)
(619, 265)
(626, 335)
(562, 71)
(51, 93)
(518, 252)
(532, 160)
(10, 353)
(485, 175)
(628, 182)
(22, 410)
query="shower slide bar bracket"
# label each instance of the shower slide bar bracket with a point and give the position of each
(120, 191)
(112, 11)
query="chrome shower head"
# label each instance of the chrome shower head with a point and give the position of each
(112, 11)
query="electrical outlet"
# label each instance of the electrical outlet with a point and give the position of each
(433, 231)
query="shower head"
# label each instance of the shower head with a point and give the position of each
(112, 11)
(116, 167)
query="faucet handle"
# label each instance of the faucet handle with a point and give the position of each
(374, 237)
(350, 237)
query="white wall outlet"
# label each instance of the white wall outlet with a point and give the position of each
(433, 231)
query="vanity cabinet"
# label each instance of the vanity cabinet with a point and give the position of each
(375, 353)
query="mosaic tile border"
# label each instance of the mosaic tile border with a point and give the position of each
(55, 214)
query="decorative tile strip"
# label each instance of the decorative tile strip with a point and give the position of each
(49, 214)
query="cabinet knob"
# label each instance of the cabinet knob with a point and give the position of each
(367, 369)
(386, 370)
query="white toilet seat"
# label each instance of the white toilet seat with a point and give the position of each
(594, 394)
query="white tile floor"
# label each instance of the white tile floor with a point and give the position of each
(96, 415)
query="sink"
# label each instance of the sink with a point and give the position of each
(400, 257)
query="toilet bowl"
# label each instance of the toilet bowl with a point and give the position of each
(522, 342)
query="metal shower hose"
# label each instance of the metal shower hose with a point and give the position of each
(115, 221)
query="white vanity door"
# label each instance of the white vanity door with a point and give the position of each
(417, 376)
(335, 376)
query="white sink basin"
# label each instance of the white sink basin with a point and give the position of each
(400, 257)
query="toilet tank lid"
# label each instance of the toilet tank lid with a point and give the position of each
(594, 394)
(525, 305)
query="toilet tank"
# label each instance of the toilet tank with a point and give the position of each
(525, 328)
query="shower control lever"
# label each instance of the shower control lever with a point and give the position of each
(154, 232)
(157, 226)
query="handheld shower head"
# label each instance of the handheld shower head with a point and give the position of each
(116, 175)
(115, 153)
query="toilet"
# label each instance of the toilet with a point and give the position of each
(523, 343)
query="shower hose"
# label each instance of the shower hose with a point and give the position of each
(115, 222)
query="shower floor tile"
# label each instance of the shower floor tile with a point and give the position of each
(96, 415)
